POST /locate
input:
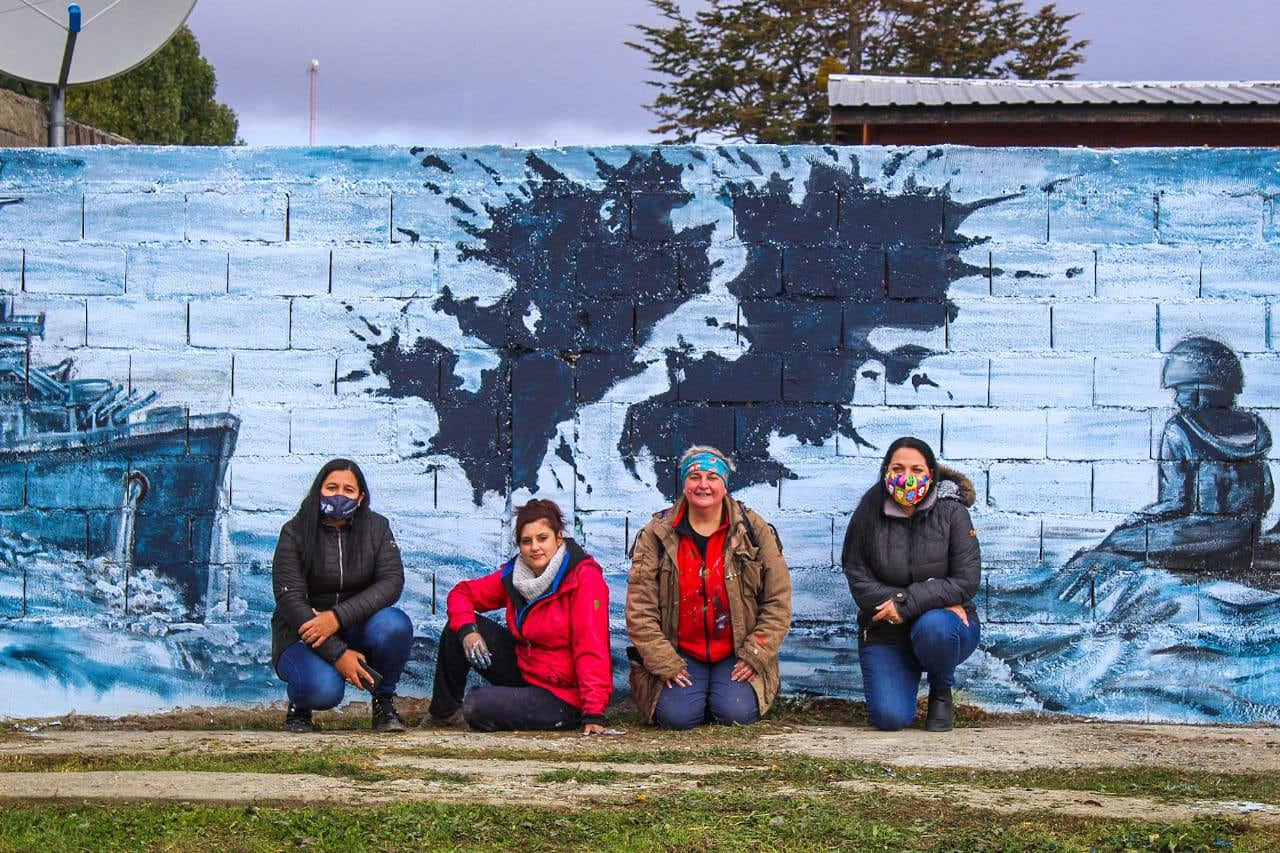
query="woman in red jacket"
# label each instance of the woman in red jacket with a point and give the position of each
(549, 667)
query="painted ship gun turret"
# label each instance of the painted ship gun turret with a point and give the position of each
(103, 472)
(50, 400)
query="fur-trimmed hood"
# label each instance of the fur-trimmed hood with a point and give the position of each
(888, 555)
(954, 485)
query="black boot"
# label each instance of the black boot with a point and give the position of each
(298, 720)
(941, 710)
(385, 716)
(454, 720)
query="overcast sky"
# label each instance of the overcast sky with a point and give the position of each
(533, 72)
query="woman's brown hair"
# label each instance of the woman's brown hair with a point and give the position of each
(539, 510)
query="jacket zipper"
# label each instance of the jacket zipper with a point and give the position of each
(706, 610)
(341, 573)
(523, 614)
(911, 548)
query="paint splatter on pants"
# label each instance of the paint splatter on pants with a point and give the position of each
(891, 671)
(510, 703)
(384, 639)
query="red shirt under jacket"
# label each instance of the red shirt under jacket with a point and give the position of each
(706, 627)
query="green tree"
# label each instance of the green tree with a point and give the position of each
(756, 70)
(167, 100)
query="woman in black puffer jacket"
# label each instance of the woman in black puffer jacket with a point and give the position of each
(336, 574)
(911, 557)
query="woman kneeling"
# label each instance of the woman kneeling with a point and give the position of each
(549, 667)
(708, 604)
(336, 573)
(912, 561)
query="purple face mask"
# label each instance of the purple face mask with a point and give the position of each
(337, 507)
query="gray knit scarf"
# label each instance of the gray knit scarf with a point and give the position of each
(530, 585)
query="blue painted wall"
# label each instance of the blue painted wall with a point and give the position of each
(478, 326)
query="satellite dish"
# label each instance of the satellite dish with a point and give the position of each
(115, 35)
(43, 41)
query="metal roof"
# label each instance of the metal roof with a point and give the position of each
(865, 90)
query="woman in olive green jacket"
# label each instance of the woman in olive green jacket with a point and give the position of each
(708, 604)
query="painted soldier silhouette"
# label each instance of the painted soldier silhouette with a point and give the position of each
(1214, 482)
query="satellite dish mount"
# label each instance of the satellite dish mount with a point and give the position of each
(58, 91)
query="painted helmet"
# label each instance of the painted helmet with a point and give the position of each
(1202, 361)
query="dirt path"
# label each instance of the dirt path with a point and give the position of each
(485, 784)
(517, 783)
(1027, 745)
(572, 779)
(1086, 804)
(1009, 746)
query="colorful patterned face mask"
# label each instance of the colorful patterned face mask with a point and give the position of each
(907, 489)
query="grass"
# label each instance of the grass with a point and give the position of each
(447, 776)
(354, 716)
(1160, 783)
(697, 820)
(762, 800)
(349, 763)
(636, 755)
(580, 776)
(1136, 781)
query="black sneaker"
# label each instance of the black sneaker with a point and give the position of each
(385, 716)
(298, 720)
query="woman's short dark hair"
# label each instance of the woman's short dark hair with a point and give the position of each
(539, 509)
(930, 460)
(306, 522)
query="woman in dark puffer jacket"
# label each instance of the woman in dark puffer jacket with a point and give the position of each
(913, 565)
(336, 574)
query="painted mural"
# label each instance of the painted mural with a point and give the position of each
(78, 443)
(1198, 551)
(187, 335)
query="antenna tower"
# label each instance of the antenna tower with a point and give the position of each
(313, 74)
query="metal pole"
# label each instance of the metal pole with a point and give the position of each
(58, 93)
(57, 117)
(313, 73)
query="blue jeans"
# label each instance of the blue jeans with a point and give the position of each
(384, 639)
(712, 696)
(891, 671)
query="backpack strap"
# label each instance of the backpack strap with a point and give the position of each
(631, 549)
(743, 511)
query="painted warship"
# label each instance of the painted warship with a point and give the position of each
(89, 467)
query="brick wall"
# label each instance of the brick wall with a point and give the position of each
(24, 122)
(478, 326)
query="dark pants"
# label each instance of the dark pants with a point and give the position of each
(891, 671)
(711, 697)
(511, 703)
(384, 639)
